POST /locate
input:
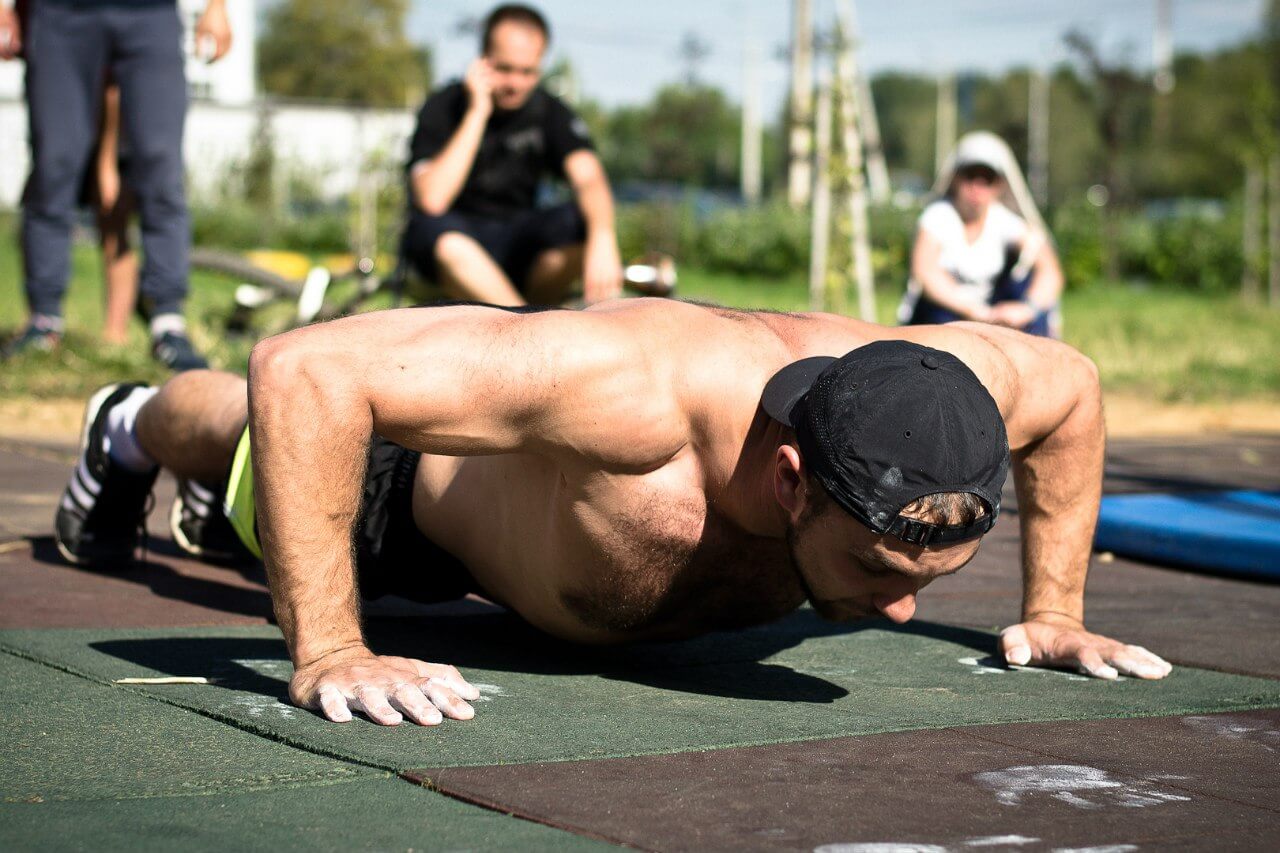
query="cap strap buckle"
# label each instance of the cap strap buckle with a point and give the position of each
(915, 532)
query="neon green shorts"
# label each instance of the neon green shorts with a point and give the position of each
(238, 503)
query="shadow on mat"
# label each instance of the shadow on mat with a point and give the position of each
(165, 582)
(729, 665)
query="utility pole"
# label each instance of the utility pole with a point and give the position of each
(851, 115)
(868, 123)
(1162, 79)
(1038, 135)
(820, 229)
(800, 172)
(1273, 232)
(751, 124)
(1162, 48)
(1250, 287)
(945, 136)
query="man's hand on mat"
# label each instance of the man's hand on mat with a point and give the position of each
(1059, 641)
(386, 689)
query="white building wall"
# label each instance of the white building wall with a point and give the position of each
(230, 80)
(330, 144)
(327, 144)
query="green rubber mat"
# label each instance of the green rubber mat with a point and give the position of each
(93, 767)
(366, 814)
(65, 738)
(795, 680)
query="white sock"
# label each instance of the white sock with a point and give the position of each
(48, 323)
(120, 441)
(171, 322)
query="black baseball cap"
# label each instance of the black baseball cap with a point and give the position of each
(891, 422)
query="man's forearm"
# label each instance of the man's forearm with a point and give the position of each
(1046, 285)
(436, 186)
(309, 436)
(943, 290)
(1059, 485)
(596, 203)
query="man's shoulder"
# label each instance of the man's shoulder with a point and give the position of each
(446, 97)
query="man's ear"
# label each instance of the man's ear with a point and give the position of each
(788, 480)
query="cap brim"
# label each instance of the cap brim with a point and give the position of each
(790, 384)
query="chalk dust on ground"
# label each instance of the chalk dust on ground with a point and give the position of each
(58, 421)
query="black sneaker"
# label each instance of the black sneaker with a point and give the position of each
(103, 511)
(32, 339)
(175, 351)
(200, 526)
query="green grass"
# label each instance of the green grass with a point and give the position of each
(83, 363)
(1163, 344)
(1160, 343)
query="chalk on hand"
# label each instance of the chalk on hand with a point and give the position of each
(169, 679)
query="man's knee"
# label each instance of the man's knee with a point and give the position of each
(55, 179)
(454, 250)
(156, 179)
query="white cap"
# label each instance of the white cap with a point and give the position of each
(983, 148)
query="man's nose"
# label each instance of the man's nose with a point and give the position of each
(896, 608)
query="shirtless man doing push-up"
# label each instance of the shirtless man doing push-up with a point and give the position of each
(645, 469)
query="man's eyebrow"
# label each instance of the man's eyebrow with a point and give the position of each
(880, 569)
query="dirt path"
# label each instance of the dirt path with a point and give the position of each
(58, 421)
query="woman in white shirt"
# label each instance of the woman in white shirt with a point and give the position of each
(975, 258)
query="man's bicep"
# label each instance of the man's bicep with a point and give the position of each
(583, 167)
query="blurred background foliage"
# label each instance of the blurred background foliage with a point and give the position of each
(1173, 164)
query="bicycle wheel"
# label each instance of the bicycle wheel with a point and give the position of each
(235, 266)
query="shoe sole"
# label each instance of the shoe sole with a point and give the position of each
(175, 530)
(90, 415)
(191, 549)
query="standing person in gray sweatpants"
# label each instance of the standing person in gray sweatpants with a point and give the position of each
(69, 46)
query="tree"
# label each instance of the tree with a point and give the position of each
(341, 51)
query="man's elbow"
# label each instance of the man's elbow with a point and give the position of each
(433, 205)
(274, 364)
(1090, 377)
(1088, 387)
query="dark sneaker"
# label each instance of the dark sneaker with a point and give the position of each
(32, 339)
(200, 526)
(174, 349)
(103, 511)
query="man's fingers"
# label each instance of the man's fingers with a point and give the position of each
(1015, 645)
(373, 701)
(448, 674)
(443, 697)
(455, 682)
(410, 700)
(1140, 663)
(334, 705)
(1091, 663)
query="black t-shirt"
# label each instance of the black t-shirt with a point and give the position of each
(517, 149)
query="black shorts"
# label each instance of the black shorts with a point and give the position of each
(393, 557)
(512, 243)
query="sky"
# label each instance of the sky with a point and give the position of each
(624, 50)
